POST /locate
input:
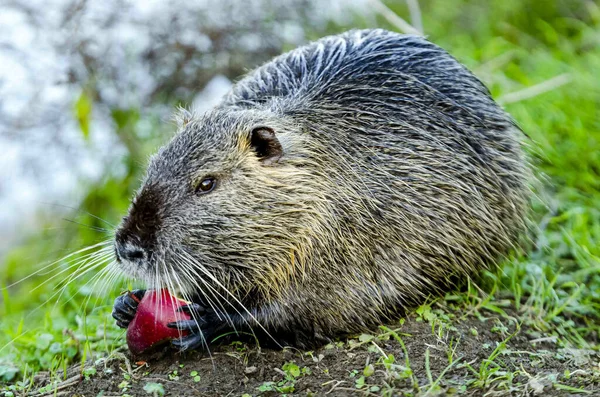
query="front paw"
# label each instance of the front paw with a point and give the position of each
(126, 306)
(202, 327)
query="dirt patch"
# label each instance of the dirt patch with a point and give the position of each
(429, 353)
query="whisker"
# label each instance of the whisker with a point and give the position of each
(186, 268)
(169, 283)
(204, 341)
(62, 290)
(83, 306)
(85, 264)
(107, 275)
(58, 261)
(95, 228)
(80, 210)
(173, 289)
(192, 261)
(221, 315)
(115, 277)
(74, 261)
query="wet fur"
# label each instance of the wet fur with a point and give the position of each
(399, 175)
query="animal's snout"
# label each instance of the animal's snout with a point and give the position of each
(128, 249)
(135, 240)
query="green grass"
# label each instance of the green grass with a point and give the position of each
(552, 289)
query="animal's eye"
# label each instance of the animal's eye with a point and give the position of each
(207, 185)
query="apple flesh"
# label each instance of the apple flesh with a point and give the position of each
(148, 329)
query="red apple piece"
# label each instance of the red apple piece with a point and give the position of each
(148, 328)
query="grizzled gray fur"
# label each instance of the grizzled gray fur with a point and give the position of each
(331, 189)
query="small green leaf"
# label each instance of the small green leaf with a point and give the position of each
(360, 382)
(55, 348)
(267, 386)
(83, 113)
(286, 389)
(89, 372)
(42, 342)
(154, 388)
(292, 369)
(8, 372)
(366, 338)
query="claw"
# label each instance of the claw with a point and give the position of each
(125, 307)
(187, 325)
(122, 324)
(121, 317)
(198, 326)
(190, 342)
(137, 294)
(192, 309)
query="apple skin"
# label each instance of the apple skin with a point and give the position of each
(148, 329)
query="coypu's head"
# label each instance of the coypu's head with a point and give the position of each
(214, 210)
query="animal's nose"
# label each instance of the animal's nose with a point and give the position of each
(127, 250)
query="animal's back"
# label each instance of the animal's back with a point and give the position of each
(399, 84)
(339, 68)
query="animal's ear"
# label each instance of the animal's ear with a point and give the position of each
(268, 149)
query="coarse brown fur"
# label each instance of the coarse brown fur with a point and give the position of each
(382, 171)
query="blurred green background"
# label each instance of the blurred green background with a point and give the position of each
(540, 59)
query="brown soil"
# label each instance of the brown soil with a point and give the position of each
(529, 363)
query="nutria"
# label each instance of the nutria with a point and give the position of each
(331, 189)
